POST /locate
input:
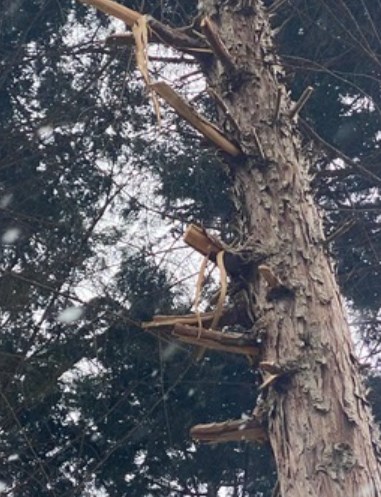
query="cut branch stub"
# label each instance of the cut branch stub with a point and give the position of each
(200, 240)
(209, 130)
(236, 262)
(301, 102)
(230, 431)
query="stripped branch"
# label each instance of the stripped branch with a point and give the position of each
(230, 431)
(277, 105)
(168, 321)
(301, 102)
(275, 6)
(210, 31)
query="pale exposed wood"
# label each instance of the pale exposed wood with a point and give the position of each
(209, 130)
(160, 321)
(224, 289)
(140, 31)
(197, 238)
(223, 337)
(115, 9)
(159, 31)
(271, 367)
(229, 431)
(269, 380)
(272, 280)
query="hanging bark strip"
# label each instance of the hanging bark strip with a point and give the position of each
(140, 32)
(209, 130)
(224, 289)
(199, 286)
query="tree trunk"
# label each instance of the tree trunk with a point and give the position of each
(320, 428)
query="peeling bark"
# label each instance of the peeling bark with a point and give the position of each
(320, 428)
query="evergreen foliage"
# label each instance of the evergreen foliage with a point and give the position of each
(93, 402)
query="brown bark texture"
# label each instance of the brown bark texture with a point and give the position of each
(320, 427)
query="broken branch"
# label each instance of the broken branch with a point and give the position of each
(184, 110)
(230, 431)
(231, 342)
(115, 9)
(197, 238)
(167, 321)
(159, 31)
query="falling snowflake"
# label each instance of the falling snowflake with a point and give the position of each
(11, 236)
(70, 314)
(45, 132)
(13, 457)
(5, 200)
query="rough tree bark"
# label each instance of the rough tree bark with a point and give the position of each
(319, 424)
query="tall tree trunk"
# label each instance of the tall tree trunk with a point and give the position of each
(320, 428)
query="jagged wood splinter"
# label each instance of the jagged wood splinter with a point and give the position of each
(209, 130)
(159, 31)
(232, 342)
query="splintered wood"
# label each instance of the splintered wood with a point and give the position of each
(192, 328)
(161, 321)
(226, 341)
(235, 343)
(200, 240)
(115, 9)
(209, 130)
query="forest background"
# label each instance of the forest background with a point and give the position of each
(94, 201)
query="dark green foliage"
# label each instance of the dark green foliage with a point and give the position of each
(96, 402)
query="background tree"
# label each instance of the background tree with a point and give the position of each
(75, 121)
